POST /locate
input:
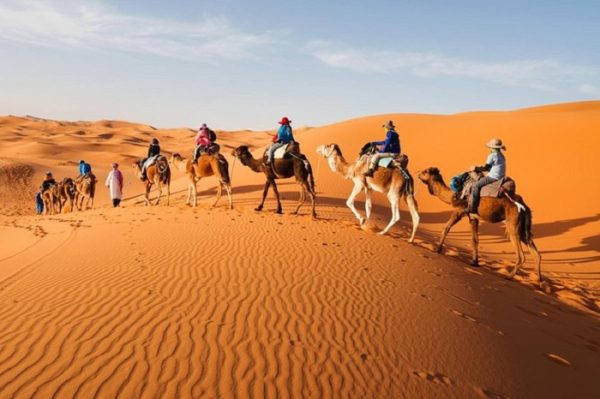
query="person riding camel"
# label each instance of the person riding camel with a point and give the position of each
(153, 150)
(390, 147)
(84, 170)
(495, 165)
(205, 141)
(48, 182)
(284, 136)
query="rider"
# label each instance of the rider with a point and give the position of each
(283, 137)
(390, 147)
(205, 138)
(153, 150)
(495, 165)
(84, 170)
(48, 182)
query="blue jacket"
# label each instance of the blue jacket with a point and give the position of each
(84, 168)
(284, 134)
(391, 143)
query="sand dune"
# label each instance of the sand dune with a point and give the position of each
(181, 302)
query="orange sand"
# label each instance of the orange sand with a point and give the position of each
(181, 302)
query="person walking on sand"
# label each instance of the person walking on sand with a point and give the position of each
(390, 147)
(114, 181)
(495, 165)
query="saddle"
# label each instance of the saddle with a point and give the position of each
(283, 151)
(401, 161)
(494, 190)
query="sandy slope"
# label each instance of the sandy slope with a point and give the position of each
(180, 302)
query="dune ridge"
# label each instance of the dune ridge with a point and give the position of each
(181, 302)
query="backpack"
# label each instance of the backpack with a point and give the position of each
(212, 136)
(458, 181)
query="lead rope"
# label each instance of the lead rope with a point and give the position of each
(232, 168)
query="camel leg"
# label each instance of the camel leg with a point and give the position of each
(393, 198)
(513, 235)
(414, 214)
(219, 192)
(159, 188)
(276, 192)
(538, 258)
(475, 239)
(147, 194)
(265, 192)
(169, 193)
(454, 218)
(228, 191)
(301, 199)
(350, 202)
(368, 203)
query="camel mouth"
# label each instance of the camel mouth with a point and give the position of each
(322, 150)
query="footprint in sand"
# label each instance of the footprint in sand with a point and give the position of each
(434, 377)
(558, 360)
(464, 316)
(488, 393)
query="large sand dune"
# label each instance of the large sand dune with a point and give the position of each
(181, 302)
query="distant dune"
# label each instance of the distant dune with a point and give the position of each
(181, 302)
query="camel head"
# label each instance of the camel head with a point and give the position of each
(429, 174)
(327, 150)
(242, 153)
(175, 157)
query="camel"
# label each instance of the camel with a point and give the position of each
(389, 181)
(158, 174)
(85, 188)
(51, 200)
(493, 210)
(66, 191)
(205, 166)
(291, 166)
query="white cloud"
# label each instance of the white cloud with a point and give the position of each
(92, 25)
(538, 74)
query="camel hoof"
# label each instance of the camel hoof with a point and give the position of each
(258, 209)
(439, 249)
(361, 221)
(279, 212)
(474, 263)
(546, 287)
(382, 233)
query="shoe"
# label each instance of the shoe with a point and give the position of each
(369, 173)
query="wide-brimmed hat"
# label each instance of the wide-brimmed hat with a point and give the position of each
(389, 125)
(285, 121)
(495, 143)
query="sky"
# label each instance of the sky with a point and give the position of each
(243, 64)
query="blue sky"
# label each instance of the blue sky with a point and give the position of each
(243, 64)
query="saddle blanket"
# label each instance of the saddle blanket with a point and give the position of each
(280, 152)
(385, 162)
(151, 161)
(494, 189)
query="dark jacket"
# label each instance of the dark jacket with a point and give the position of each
(153, 150)
(46, 184)
(391, 143)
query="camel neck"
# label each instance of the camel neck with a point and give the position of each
(441, 190)
(338, 164)
(254, 164)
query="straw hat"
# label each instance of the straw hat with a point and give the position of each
(389, 125)
(496, 143)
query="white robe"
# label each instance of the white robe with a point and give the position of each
(114, 185)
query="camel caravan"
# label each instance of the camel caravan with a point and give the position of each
(54, 196)
(483, 193)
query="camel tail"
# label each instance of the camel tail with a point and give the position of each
(408, 187)
(224, 168)
(525, 223)
(311, 177)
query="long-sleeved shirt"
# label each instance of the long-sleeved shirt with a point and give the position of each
(85, 168)
(153, 150)
(284, 134)
(391, 143)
